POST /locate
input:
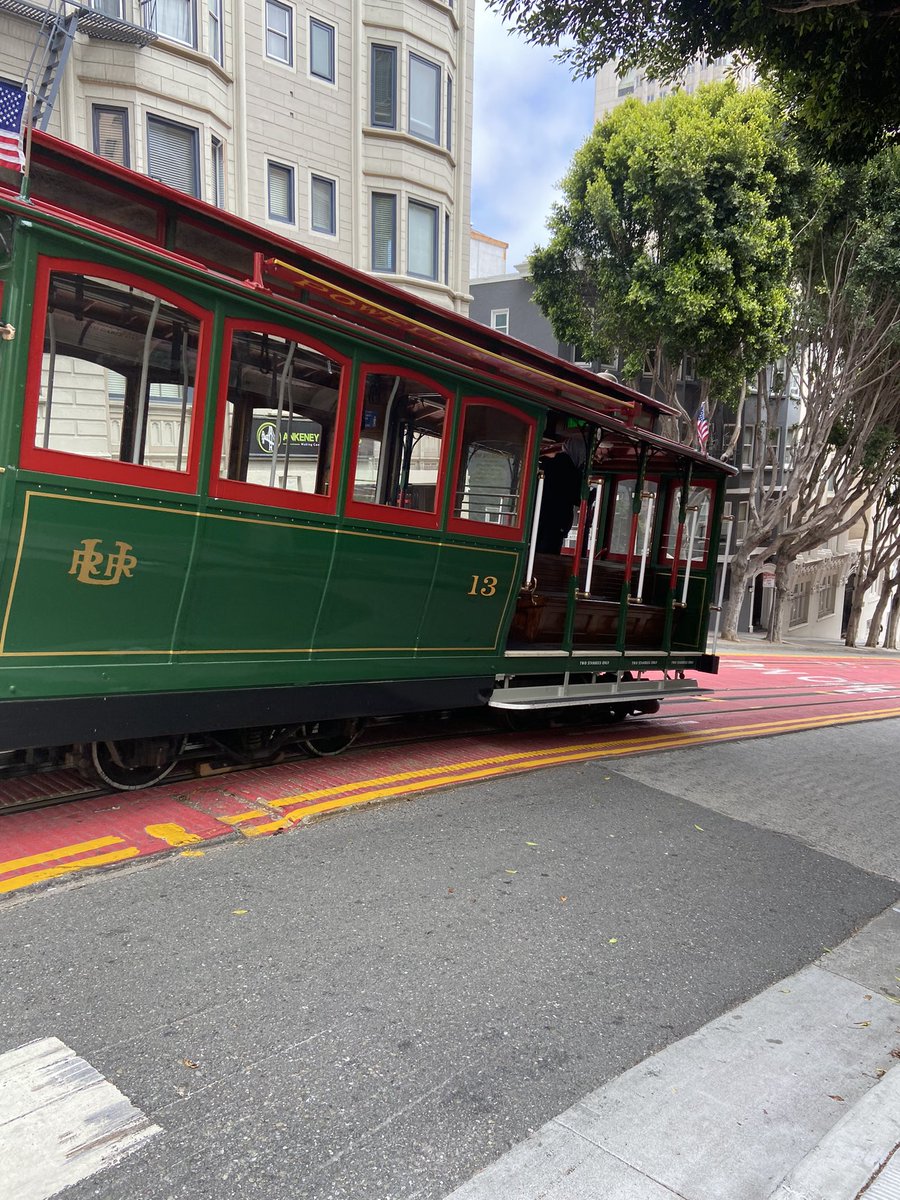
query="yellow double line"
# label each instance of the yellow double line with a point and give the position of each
(93, 860)
(330, 799)
(337, 797)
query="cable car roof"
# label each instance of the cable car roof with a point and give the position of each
(266, 260)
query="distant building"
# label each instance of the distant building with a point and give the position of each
(610, 89)
(346, 126)
(487, 255)
(505, 302)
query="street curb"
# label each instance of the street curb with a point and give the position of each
(844, 1162)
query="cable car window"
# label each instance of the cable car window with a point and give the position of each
(696, 525)
(620, 536)
(492, 457)
(281, 413)
(401, 434)
(118, 373)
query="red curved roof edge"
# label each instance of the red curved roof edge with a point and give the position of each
(56, 152)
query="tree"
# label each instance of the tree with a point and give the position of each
(833, 62)
(879, 551)
(844, 358)
(892, 586)
(674, 238)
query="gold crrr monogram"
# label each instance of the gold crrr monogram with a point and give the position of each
(90, 565)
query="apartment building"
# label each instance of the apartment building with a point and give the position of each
(345, 124)
(610, 89)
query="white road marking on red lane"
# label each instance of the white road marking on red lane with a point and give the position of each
(60, 1121)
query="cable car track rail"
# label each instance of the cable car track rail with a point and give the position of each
(458, 727)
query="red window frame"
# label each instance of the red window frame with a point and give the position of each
(665, 557)
(222, 488)
(509, 533)
(386, 513)
(104, 470)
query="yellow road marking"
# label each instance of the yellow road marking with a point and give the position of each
(415, 781)
(16, 864)
(237, 818)
(605, 747)
(172, 834)
(98, 860)
(475, 769)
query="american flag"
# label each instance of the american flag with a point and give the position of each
(12, 106)
(702, 427)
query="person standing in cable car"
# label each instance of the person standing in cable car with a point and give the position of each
(563, 467)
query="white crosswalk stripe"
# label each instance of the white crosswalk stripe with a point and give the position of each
(60, 1121)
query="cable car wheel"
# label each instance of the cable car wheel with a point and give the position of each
(324, 738)
(524, 720)
(131, 764)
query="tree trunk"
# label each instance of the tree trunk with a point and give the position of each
(890, 638)
(875, 625)
(856, 606)
(782, 598)
(731, 614)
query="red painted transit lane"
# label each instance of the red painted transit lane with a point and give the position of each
(753, 697)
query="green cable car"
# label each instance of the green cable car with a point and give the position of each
(249, 493)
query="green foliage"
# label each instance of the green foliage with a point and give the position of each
(880, 450)
(833, 62)
(878, 262)
(675, 230)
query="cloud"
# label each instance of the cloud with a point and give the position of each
(529, 118)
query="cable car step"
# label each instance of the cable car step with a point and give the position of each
(562, 696)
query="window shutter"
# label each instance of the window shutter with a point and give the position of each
(322, 204)
(111, 134)
(384, 73)
(218, 159)
(172, 155)
(281, 193)
(384, 226)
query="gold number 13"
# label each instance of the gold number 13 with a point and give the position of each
(483, 585)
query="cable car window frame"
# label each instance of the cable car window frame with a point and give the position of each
(468, 525)
(665, 556)
(35, 457)
(657, 481)
(223, 488)
(371, 510)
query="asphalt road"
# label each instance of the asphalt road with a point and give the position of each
(377, 1005)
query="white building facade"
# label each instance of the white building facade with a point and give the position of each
(345, 124)
(610, 89)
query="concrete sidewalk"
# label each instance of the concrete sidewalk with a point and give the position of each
(794, 1095)
(756, 644)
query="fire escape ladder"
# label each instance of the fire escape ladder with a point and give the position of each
(48, 60)
(56, 23)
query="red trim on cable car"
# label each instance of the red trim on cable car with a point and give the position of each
(222, 488)
(390, 513)
(509, 533)
(86, 466)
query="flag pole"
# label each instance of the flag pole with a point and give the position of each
(29, 126)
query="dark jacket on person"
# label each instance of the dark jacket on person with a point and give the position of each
(562, 492)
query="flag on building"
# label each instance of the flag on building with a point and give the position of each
(702, 428)
(12, 109)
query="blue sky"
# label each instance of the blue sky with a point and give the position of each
(529, 118)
